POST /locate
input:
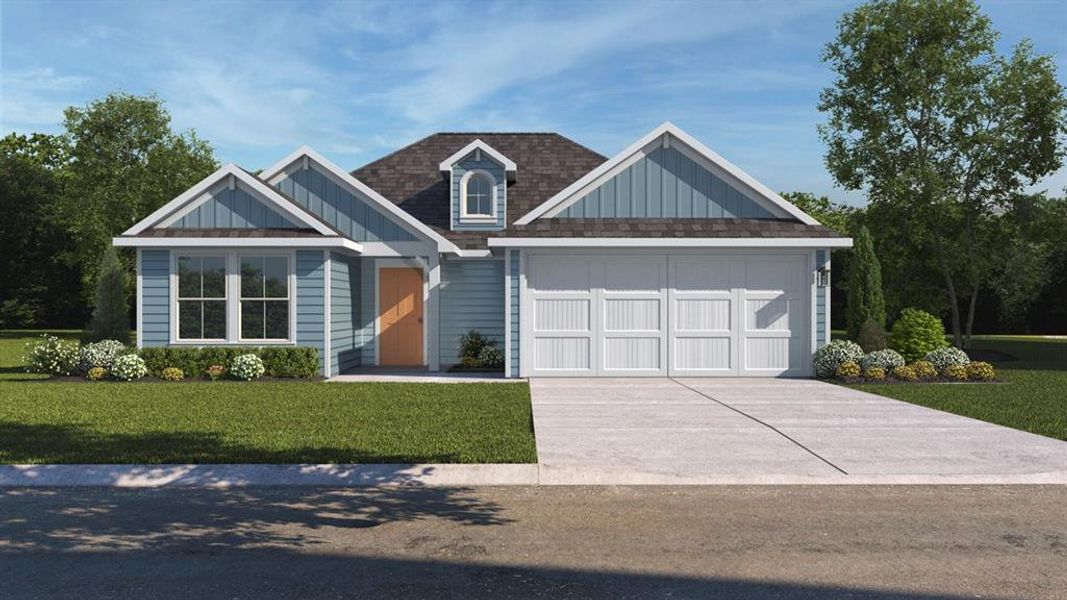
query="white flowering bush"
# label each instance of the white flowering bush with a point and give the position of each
(831, 356)
(100, 354)
(128, 367)
(247, 367)
(51, 356)
(886, 359)
(943, 358)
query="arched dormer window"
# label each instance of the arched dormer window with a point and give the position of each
(478, 197)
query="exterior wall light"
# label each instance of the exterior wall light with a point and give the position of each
(822, 277)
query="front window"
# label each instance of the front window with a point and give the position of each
(478, 196)
(202, 297)
(264, 297)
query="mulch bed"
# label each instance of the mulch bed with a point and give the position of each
(150, 379)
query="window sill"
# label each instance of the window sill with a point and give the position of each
(477, 219)
(232, 343)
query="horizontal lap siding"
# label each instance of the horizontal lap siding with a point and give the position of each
(490, 166)
(353, 216)
(155, 297)
(345, 341)
(310, 307)
(666, 184)
(233, 209)
(514, 316)
(472, 297)
(821, 330)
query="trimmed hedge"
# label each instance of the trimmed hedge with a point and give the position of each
(280, 361)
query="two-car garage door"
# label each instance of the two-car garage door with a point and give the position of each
(658, 315)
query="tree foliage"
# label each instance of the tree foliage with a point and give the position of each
(834, 215)
(940, 130)
(111, 310)
(865, 299)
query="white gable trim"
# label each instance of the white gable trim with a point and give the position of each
(507, 163)
(692, 148)
(335, 242)
(191, 198)
(279, 170)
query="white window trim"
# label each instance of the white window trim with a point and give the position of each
(233, 300)
(464, 216)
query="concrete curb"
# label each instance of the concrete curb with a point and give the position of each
(449, 475)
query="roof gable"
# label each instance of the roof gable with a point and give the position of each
(480, 148)
(666, 136)
(229, 206)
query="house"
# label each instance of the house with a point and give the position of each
(664, 260)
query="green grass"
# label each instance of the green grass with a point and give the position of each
(1032, 398)
(263, 422)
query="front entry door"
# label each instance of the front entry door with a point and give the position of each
(400, 316)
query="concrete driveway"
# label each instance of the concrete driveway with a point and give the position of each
(632, 431)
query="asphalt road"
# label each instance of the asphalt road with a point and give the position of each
(718, 542)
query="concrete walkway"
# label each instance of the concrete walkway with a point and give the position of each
(708, 431)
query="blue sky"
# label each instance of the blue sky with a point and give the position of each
(358, 80)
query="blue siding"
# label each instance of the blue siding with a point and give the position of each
(345, 341)
(352, 215)
(821, 330)
(495, 169)
(310, 307)
(514, 316)
(666, 184)
(155, 297)
(472, 297)
(234, 209)
(367, 314)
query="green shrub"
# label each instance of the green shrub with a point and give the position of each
(279, 361)
(831, 356)
(172, 374)
(128, 367)
(96, 373)
(472, 343)
(942, 358)
(924, 369)
(470, 362)
(847, 370)
(111, 310)
(917, 333)
(215, 372)
(872, 336)
(100, 354)
(887, 360)
(904, 373)
(52, 356)
(247, 367)
(865, 298)
(955, 372)
(875, 373)
(980, 371)
(491, 358)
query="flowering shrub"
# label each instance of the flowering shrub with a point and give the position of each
(215, 372)
(491, 357)
(946, 357)
(875, 373)
(127, 367)
(172, 374)
(956, 372)
(51, 356)
(924, 370)
(886, 359)
(904, 373)
(980, 371)
(96, 374)
(100, 354)
(247, 367)
(848, 369)
(831, 356)
(917, 332)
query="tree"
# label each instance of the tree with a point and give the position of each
(125, 162)
(111, 312)
(940, 130)
(865, 300)
(834, 215)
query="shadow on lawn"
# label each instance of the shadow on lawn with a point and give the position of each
(22, 443)
(1026, 355)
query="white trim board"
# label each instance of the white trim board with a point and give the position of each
(274, 174)
(254, 242)
(663, 135)
(509, 165)
(670, 242)
(191, 198)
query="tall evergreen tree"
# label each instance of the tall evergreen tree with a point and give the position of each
(865, 298)
(111, 316)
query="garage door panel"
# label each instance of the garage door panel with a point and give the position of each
(767, 353)
(702, 314)
(634, 274)
(702, 354)
(560, 276)
(768, 314)
(632, 353)
(556, 314)
(562, 354)
(632, 314)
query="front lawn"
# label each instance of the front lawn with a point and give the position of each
(1033, 397)
(262, 422)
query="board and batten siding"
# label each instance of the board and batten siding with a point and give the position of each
(346, 341)
(514, 316)
(487, 164)
(471, 297)
(233, 209)
(666, 184)
(155, 297)
(351, 215)
(310, 301)
(822, 329)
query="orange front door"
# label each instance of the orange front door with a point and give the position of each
(400, 316)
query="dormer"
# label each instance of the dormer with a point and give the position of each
(479, 177)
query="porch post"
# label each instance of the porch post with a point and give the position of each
(433, 326)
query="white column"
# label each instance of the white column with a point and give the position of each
(326, 310)
(433, 309)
